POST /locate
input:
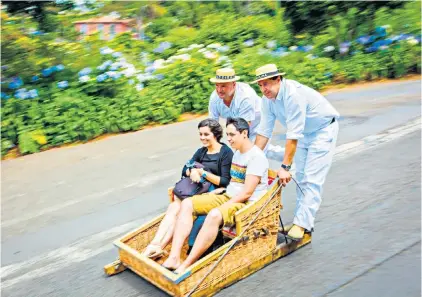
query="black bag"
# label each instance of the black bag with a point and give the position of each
(185, 187)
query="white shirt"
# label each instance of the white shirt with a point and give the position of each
(246, 104)
(297, 107)
(253, 162)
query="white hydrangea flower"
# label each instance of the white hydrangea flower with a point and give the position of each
(214, 45)
(84, 78)
(412, 41)
(210, 55)
(192, 46)
(271, 44)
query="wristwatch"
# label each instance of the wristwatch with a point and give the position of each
(286, 167)
(204, 174)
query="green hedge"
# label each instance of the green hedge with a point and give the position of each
(87, 110)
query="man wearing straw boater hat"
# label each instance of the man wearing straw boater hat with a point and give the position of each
(232, 99)
(312, 128)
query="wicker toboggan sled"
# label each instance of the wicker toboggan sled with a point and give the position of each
(256, 241)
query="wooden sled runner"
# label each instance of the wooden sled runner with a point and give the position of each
(259, 245)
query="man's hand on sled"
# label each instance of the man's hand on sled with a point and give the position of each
(284, 176)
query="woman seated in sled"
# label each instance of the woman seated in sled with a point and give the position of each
(216, 158)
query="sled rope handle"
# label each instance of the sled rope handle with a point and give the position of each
(240, 236)
(235, 241)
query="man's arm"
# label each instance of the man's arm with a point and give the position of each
(251, 182)
(295, 107)
(290, 151)
(261, 141)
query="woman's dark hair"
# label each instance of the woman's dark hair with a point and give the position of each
(214, 126)
(239, 123)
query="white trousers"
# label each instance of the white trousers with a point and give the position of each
(313, 158)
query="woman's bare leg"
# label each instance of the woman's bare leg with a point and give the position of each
(171, 222)
(168, 222)
(166, 228)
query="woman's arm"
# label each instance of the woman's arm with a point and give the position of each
(214, 179)
(224, 179)
(185, 171)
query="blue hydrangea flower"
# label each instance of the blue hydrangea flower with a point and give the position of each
(131, 82)
(115, 66)
(116, 54)
(102, 77)
(304, 48)
(279, 52)
(344, 50)
(63, 84)
(4, 95)
(404, 36)
(85, 71)
(106, 50)
(139, 87)
(365, 39)
(114, 74)
(13, 85)
(158, 50)
(371, 49)
(159, 76)
(59, 67)
(223, 48)
(47, 72)
(379, 43)
(16, 83)
(150, 69)
(380, 31)
(166, 44)
(108, 63)
(21, 94)
(33, 93)
(162, 47)
(34, 78)
(248, 43)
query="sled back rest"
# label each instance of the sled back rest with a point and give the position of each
(268, 218)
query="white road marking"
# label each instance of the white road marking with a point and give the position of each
(143, 182)
(89, 247)
(58, 259)
(372, 141)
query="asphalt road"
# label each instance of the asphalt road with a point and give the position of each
(61, 209)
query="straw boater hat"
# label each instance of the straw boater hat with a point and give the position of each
(224, 75)
(266, 71)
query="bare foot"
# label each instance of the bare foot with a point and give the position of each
(171, 263)
(181, 268)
